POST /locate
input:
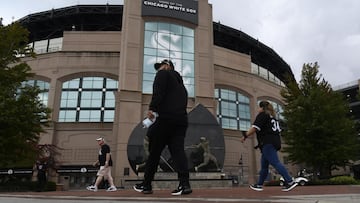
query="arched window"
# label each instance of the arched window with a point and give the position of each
(233, 109)
(88, 99)
(168, 41)
(43, 86)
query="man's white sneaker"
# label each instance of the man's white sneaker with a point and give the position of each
(111, 189)
(182, 190)
(92, 188)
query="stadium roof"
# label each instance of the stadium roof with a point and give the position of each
(52, 23)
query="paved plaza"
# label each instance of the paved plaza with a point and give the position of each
(314, 194)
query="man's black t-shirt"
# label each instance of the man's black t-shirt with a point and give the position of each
(102, 155)
(267, 130)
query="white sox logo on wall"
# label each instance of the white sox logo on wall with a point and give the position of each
(163, 42)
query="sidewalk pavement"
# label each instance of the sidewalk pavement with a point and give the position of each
(319, 194)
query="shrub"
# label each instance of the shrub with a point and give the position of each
(343, 180)
(339, 180)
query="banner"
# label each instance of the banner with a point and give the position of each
(186, 10)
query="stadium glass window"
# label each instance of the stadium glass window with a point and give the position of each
(55, 44)
(88, 99)
(168, 41)
(233, 109)
(43, 86)
(47, 45)
(254, 69)
(264, 73)
(272, 77)
(41, 47)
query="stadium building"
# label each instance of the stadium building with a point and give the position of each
(96, 64)
(350, 91)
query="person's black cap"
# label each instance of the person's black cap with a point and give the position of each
(165, 61)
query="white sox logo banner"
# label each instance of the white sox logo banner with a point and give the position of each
(186, 10)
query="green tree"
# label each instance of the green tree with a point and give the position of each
(319, 132)
(22, 114)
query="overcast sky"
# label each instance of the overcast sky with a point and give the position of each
(300, 31)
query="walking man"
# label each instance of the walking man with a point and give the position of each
(105, 163)
(168, 105)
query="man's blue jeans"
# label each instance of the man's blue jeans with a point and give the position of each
(269, 156)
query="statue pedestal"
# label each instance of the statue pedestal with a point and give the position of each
(168, 180)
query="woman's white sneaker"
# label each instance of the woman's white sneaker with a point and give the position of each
(289, 186)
